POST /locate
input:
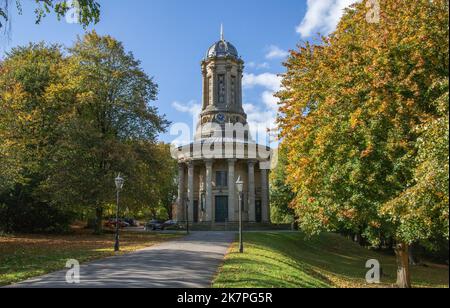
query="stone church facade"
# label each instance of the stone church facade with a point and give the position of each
(223, 150)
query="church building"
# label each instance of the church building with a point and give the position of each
(223, 150)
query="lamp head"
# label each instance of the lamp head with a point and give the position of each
(119, 182)
(240, 185)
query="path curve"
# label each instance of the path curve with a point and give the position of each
(189, 262)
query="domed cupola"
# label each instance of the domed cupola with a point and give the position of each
(222, 49)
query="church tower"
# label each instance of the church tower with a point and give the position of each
(222, 71)
(210, 166)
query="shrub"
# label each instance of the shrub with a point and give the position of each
(34, 217)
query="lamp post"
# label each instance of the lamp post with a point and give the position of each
(240, 189)
(187, 216)
(119, 181)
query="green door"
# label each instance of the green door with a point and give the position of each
(221, 208)
(258, 210)
(195, 211)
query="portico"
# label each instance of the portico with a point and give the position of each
(214, 198)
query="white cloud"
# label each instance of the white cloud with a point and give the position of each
(258, 66)
(260, 117)
(266, 80)
(191, 107)
(182, 130)
(261, 120)
(275, 52)
(249, 108)
(322, 16)
(263, 117)
(270, 100)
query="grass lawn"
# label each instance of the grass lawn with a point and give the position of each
(287, 260)
(27, 256)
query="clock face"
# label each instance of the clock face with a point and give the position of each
(220, 117)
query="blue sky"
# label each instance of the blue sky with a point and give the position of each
(171, 37)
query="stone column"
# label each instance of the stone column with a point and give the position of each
(208, 195)
(251, 192)
(191, 191)
(205, 87)
(201, 191)
(239, 87)
(180, 201)
(265, 196)
(231, 190)
(215, 97)
(228, 87)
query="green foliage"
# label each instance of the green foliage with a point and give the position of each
(11, 167)
(364, 117)
(28, 119)
(32, 216)
(28, 130)
(110, 125)
(153, 184)
(89, 10)
(421, 211)
(70, 123)
(281, 194)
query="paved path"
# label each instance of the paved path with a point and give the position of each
(190, 262)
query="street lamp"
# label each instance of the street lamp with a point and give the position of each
(119, 186)
(187, 215)
(240, 189)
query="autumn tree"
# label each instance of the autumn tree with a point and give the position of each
(151, 186)
(29, 127)
(165, 179)
(111, 126)
(364, 116)
(28, 119)
(88, 10)
(69, 123)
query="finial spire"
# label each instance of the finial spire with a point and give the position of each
(222, 37)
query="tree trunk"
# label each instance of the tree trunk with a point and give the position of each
(154, 213)
(169, 209)
(403, 272)
(359, 239)
(98, 220)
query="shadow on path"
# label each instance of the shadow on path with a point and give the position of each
(190, 262)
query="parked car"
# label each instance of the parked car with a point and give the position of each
(111, 223)
(172, 225)
(154, 225)
(132, 222)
